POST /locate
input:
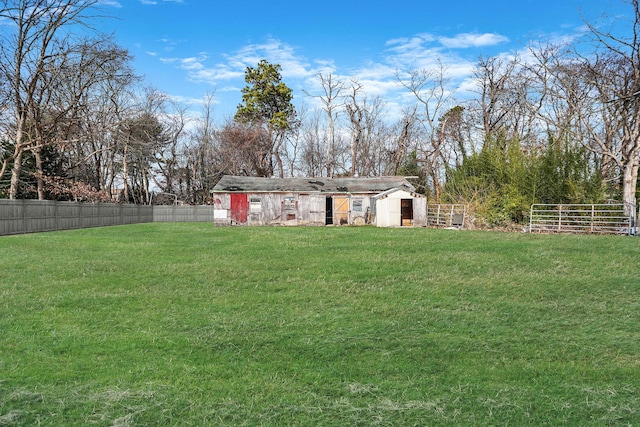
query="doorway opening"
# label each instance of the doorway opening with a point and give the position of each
(406, 212)
(328, 217)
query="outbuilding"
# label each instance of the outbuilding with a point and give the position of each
(382, 201)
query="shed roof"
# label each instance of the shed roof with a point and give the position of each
(251, 184)
(393, 190)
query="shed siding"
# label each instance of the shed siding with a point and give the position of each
(278, 209)
(389, 211)
(312, 209)
(350, 201)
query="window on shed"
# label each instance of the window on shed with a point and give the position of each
(289, 203)
(357, 205)
(255, 205)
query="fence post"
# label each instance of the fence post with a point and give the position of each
(634, 226)
(593, 208)
(451, 216)
(464, 214)
(531, 218)
(633, 219)
(24, 214)
(559, 218)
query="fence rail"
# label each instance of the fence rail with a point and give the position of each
(446, 215)
(32, 216)
(581, 218)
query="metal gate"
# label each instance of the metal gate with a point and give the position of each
(581, 218)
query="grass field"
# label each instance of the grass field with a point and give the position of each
(187, 324)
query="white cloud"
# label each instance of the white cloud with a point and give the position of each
(466, 40)
(112, 3)
(213, 75)
(378, 78)
(193, 63)
(235, 65)
(155, 2)
(275, 52)
(410, 44)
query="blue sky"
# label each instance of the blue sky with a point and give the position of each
(190, 48)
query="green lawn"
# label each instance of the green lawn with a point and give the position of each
(187, 324)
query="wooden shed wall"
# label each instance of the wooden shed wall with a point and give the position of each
(293, 208)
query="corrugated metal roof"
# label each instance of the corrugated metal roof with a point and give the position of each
(230, 183)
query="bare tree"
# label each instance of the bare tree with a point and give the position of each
(594, 98)
(244, 150)
(294, 143)
(74, 119)
(30, 45)
(614, 74)
(169, 156)
(203, 164)
(369, 133)
(330, 102)
(406, 131)
(312, 157)
(355, 112)
(430, 89)
(498, 95)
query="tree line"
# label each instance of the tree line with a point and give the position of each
(558, 123)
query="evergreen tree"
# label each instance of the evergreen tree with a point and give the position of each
(267, 105)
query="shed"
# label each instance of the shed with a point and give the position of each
(241, 200)
(399, 207)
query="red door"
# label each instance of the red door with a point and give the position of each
(239, 208)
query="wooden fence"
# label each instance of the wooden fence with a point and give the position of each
(182, 213)
(32, 216)
(446, 215)
(581, 218)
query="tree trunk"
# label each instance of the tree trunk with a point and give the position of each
(355, 142)
(276, 153)
(436, 184)
(18, 155)
(124, 175)
(145, 182)
(39, 173)
(629, 185)
(330, 143)
(16, 171)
